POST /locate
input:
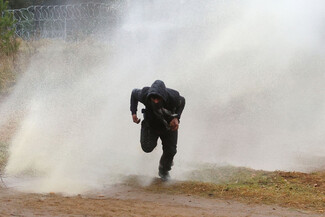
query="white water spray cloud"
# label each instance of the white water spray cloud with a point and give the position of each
(251, 72)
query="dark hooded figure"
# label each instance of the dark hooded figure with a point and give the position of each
(163, 109)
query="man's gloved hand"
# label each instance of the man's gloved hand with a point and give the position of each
(135, 119)
(174, 124)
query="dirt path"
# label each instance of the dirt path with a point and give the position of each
(122, 200)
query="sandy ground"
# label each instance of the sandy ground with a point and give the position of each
(121, 200)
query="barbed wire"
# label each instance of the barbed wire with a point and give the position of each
(64, 21)
(61, 12)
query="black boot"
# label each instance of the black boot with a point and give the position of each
(163, 174)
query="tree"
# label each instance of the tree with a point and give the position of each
(8, 43)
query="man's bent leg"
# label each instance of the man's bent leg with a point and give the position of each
(169, 142)
(148, 138)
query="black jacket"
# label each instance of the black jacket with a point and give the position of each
(172, 101)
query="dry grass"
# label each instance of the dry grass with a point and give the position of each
(7, 75)
(11, 66)
(287, 189)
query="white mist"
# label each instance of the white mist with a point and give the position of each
(251, 72)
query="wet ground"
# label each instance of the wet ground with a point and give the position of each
(121, 200)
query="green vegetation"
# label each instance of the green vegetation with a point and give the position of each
(8, 42)
(288, 189)
(8, 47)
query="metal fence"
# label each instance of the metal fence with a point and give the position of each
(68, 22)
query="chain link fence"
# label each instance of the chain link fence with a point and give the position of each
(68, 22)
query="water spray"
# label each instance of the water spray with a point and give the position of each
(251, 73)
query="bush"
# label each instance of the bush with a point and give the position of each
(8, 43)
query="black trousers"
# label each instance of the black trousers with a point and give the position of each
(149, 138)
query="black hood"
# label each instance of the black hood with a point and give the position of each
(158, 88)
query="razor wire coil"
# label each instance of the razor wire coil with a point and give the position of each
(63, 21)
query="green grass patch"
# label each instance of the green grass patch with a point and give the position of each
(287, 189)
